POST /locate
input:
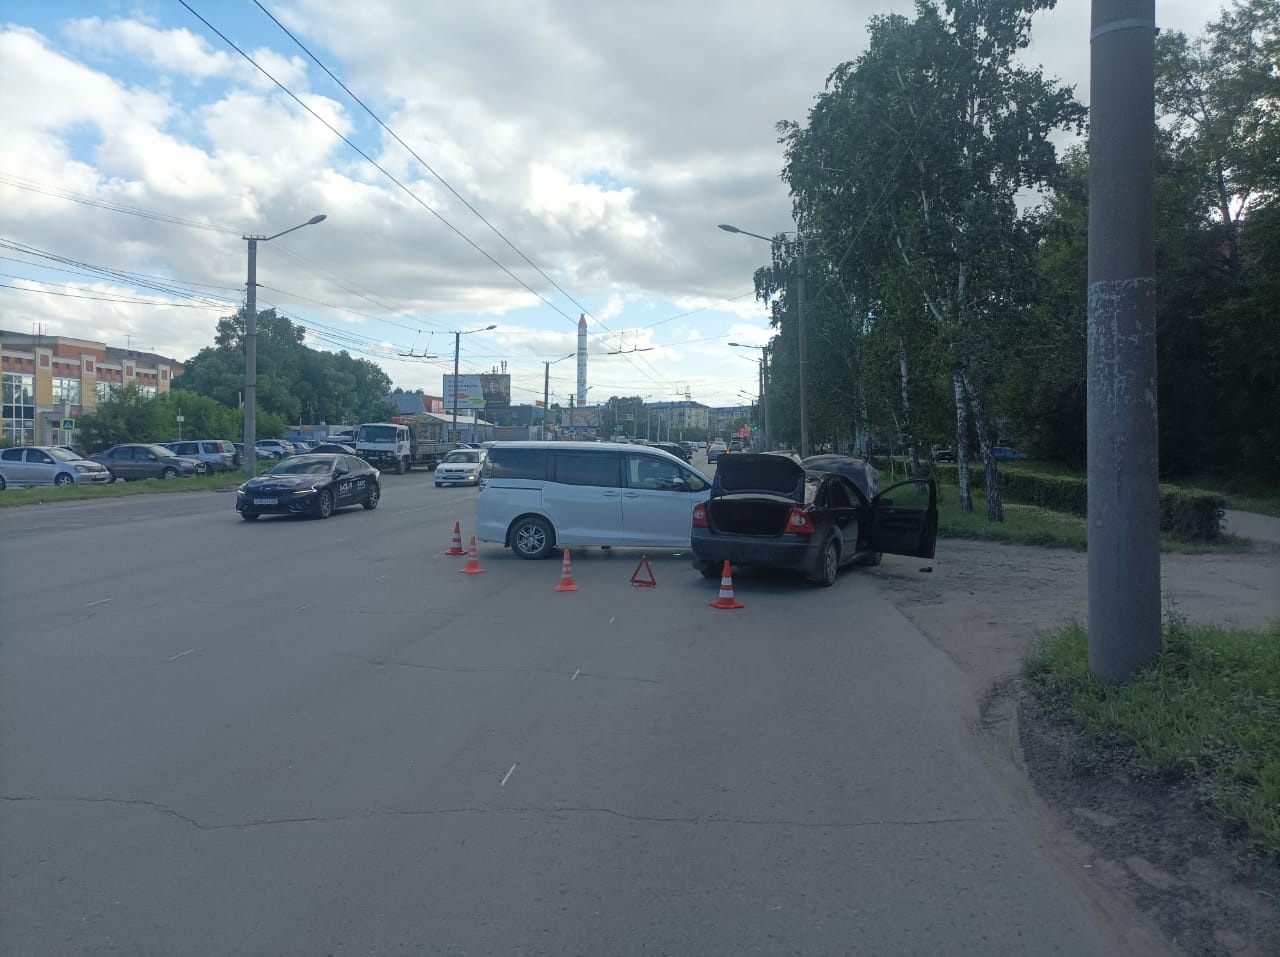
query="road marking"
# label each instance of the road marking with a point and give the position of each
(304, 607)
(183, 655)
(380, 577)
(506, 777)
(613, 619)
(100, 601)
(575, 675)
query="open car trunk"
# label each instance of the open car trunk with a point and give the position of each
(753, 493)
(749, 514)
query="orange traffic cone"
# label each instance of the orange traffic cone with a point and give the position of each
(566, 574)
(473, 561)
(726, 599)
(456, 548)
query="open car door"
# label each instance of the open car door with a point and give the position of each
(904, 519)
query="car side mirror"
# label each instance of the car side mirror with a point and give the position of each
(340, 471)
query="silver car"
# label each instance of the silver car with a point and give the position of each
(48, 465)
(146, 460)
(461, 467)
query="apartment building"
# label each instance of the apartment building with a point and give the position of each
(47, 380)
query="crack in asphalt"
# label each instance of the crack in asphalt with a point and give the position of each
(382, 663)
(525, 809)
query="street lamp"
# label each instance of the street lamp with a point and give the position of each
(546, 389)
(251, 347)
(457, 339)
(764, 397)
(800, 331)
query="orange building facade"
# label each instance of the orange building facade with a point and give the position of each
(48, 380)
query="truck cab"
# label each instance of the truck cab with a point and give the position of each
(385, 445)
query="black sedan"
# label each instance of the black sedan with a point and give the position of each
(310, 485)
(770, 510)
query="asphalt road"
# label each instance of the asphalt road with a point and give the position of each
(318, 737)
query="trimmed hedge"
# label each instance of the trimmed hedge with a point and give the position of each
(1188, 514)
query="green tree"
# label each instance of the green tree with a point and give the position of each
(294, 381)
(911, 163)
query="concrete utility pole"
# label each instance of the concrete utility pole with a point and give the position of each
(1124, 513)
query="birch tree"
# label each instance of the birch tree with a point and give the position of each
(912, 159)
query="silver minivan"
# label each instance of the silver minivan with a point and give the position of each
(536, 497)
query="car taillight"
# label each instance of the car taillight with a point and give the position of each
(799, 523)
(700, 515)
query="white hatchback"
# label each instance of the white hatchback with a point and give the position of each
(538, 496)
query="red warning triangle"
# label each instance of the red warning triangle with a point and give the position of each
(640, 582)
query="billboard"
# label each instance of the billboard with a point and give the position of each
(477, 392)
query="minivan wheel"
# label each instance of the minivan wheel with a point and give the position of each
(708, 569)
(169, 472)
(531, 537)
(63, 479)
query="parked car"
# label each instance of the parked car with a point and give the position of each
(715, 450)
(537, 496)
(144, 461)
(310, 485)
(280, 448)
(461, 467)
(770, 510)
(1003, 453)
(262, 454)
(48, 465)
(674, 448)
(217, 455)
(334, 448)
(940, 453)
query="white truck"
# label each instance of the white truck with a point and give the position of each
(400, 444)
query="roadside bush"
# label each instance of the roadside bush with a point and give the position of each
(1191, 514)
(1188, 514)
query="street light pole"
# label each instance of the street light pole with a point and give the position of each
(546, 389)
(801, 346)
(251, 348)
(764, 398)
(457, 341)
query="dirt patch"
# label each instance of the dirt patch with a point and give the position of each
(1141, 851)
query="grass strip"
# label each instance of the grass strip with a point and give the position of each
(1029, 525)
(45, 494)
(1208, 709)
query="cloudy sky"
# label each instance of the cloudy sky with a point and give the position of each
(601, 140)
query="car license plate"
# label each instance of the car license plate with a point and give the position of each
(266, 501)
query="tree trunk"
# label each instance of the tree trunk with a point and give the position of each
(995, 506)
(909, 433)
(962, 442)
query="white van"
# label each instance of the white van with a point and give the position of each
(539, 496)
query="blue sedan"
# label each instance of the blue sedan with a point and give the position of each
(310, 485)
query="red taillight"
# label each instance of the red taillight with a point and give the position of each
(700, 515)
(799, 523)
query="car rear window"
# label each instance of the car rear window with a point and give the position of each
(517, 464)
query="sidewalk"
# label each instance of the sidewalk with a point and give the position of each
(1252, 525)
